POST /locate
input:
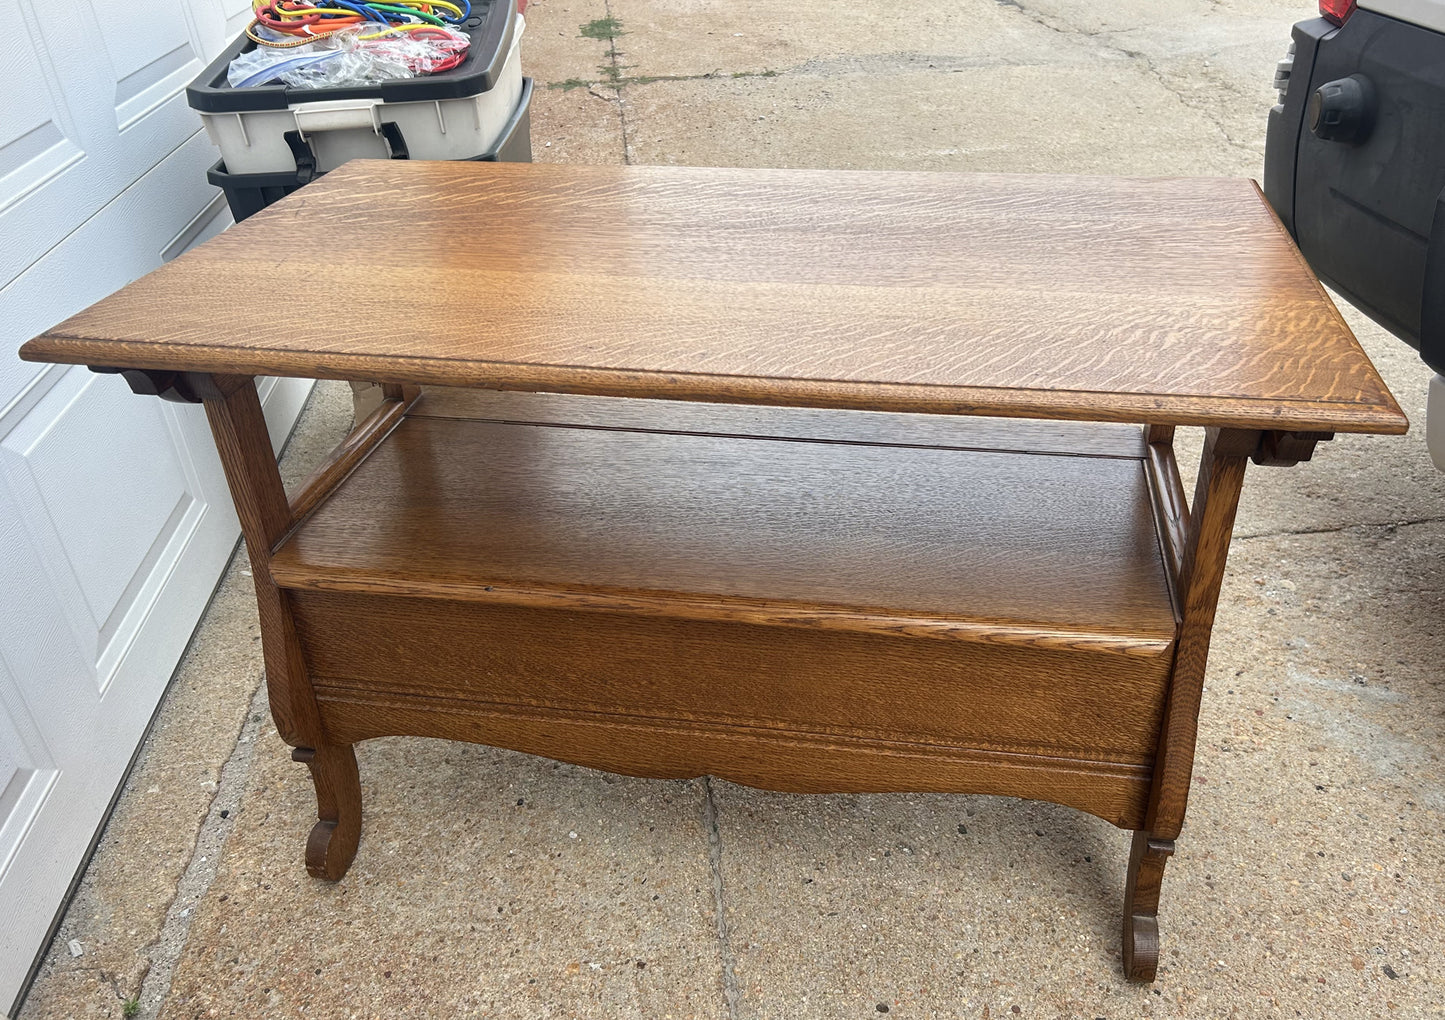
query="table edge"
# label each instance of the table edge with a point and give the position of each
(1383, 418)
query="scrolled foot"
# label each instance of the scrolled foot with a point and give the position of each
(331, 846)
(1141, 947)
(1147, 858)
(330, 849)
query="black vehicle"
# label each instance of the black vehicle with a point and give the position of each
(1355, 166)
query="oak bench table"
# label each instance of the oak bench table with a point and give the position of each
(816, 481)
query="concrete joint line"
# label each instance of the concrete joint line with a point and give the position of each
(166, 951)
(731, 992)
(616, 77)
(610, 91)
(1370, 525)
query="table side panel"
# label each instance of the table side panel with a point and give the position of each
(789, 763)
(1072, 711)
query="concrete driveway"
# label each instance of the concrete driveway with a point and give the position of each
(1310, 877)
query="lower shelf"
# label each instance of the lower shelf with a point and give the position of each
(879, 604)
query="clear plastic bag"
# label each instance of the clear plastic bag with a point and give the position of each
(265, 64)
(360, 55)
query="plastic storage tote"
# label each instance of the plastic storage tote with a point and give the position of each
(248, 194)
(456, 114)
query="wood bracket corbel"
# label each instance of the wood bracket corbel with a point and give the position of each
(177, 387)
(172, 386)
(1286, 449)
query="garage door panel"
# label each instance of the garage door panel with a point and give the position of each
(38, 647)
(238, 15)
(210, 221)
(27, 769)
(35, 105)
(33, 149)
(52, 180)
(151, 60)
(102, 542)
(97, 116)
(147, 88)
(22, 385)
(50, 628)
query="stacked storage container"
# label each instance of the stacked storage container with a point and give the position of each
(274, 138)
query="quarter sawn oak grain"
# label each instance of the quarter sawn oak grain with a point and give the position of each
(1177, 301)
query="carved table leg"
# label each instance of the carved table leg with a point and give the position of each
(239, 428)
(333, 840)
(1199, 571)
(1147, 858)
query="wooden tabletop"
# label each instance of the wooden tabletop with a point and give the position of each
(1116, 299)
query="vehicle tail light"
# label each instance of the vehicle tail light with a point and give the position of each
(1337, 11)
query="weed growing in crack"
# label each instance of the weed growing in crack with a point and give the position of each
(603, 28)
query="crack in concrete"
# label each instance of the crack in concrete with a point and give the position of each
(104, 975)
(731, 992)
(1185, 99)
(165, 951)
(1039, 18)
(1361, 526)
(1138, 57)
(115, 987)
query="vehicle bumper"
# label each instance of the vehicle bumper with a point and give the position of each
(1366, 214)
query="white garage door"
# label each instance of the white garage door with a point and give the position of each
(114, 517)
